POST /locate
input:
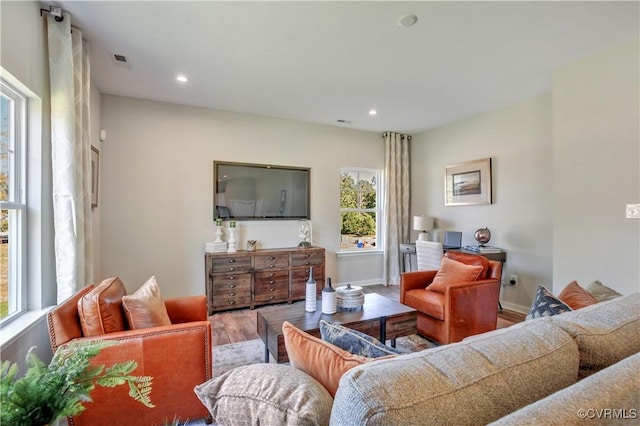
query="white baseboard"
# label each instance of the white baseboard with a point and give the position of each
(513, 307)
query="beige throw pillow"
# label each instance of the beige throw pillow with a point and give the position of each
(145, 308)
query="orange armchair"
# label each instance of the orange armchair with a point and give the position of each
(464, 309)
(177, 356)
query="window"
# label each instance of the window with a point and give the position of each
(12, 201)
(360, 211)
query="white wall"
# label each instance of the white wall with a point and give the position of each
(518, 139)
(156, 197)
(95, 114)
(596, 118)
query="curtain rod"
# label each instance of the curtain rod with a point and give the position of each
(54, 11)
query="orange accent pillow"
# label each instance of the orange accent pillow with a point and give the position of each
(321, 360)
(576, 297)
(100, 310)
(471, 259)
(145, 308)
(453, 272)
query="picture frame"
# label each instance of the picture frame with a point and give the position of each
(95, 166)
(468, 183)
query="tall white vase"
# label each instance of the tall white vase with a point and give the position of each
(310, 296)
(231, 248)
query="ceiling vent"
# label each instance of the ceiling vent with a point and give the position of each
(120, 58)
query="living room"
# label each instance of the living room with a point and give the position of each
(564, 164)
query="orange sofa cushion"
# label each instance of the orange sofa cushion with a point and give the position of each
(452, 272)
(576, 297)
(145, 308)
(426, 302)
(100, 310)
(321, 360)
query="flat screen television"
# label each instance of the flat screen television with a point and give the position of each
(245, 191)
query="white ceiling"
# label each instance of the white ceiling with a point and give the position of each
(319, 62)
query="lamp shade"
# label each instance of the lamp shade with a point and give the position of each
(422, 223)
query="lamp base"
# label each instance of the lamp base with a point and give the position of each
(423, 236)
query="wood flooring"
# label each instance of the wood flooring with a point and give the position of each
(240, 325)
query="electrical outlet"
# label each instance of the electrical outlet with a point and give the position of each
(633, 211)
(513, 280)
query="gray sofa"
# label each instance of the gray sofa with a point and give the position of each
(571, 368)
(574, 368)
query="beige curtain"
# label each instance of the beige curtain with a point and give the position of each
(396, 201)
(70, 155)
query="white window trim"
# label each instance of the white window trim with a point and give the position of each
(379, 214)
(38, 262)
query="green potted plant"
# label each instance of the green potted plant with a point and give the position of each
(47, 393)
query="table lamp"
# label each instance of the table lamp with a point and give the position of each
(424, 224)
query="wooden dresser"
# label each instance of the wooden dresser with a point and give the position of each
(249, 279)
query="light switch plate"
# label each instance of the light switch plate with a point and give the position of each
(633, 211)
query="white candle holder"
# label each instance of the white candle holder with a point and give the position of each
(232, 240)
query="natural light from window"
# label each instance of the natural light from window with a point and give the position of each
(12, 204)
(359, 209)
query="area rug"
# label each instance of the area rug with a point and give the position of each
(227, 357)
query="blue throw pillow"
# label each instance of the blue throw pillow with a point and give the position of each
(545, 304)
(354, 341)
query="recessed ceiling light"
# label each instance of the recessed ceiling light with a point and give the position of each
(182, 78)
(407, 20)
(373, 112)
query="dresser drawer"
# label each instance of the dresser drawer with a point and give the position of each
(270, 282)
(230, 264)
(231, 281)
(307, 258)
(271, 261)
(231, 302)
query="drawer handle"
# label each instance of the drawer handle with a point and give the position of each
(271, 274)
(272, 258)
(232, 302)
(232, 268)
(232, 261)
(271, 281)
(232, 286)
(272, 289)
(271, 297)
(307, 263)
(307, 255)
(232, 294)
(272, 266)
(232, 278)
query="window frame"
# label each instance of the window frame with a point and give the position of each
(16, 204)
(378, 210)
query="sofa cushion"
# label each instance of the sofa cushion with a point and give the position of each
(601, 292)
(606, 332)
(145, 308)
(100, 310)
(471, 259)
(614, 391)
(576, 297)
(270, 394)
(426, 301)
(354, 341)
(471, 382)
(453, 272)
(545, 304)
(321, 360)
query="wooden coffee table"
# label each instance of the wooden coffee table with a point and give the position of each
(380, 317)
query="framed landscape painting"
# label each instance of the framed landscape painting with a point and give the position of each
(468, 183)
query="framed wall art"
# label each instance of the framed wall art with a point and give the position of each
(467, 184)
(95, 164)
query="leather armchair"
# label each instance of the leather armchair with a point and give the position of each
(177, 356)
(465, 308)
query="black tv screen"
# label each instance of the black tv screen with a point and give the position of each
(260, 191)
